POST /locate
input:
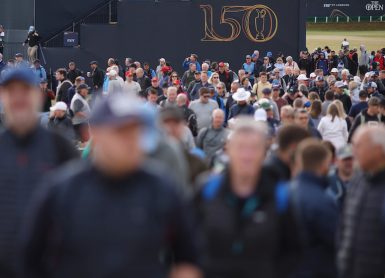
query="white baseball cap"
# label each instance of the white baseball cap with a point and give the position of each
(59, 106)
(302, 77)
(260, 115)
(112, 73)
(334, 70)
(357, 79)
(313, 75)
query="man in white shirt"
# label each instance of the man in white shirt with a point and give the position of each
(131, 87)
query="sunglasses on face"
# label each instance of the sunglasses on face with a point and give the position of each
(219, 88)
(215, 77)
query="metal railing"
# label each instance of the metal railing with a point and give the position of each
(345, 19)
(105, 14)
(11, 48)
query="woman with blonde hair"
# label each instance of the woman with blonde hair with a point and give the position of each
(341, 110)
(214, 79)
(333, 127)
(315, 112)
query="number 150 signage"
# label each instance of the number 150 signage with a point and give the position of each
(259, 23)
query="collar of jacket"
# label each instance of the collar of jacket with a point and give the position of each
(25, 139)
(311, 178)
(376, 177)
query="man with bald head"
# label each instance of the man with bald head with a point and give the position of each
(362, 244)
(213, 138)
(143, 80)
(189, 115)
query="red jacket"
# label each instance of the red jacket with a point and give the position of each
(381, 62)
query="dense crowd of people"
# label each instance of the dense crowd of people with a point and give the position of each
(274, 170)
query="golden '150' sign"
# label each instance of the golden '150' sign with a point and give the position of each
(259, 23)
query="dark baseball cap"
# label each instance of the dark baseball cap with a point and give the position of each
(25, 75)
(117, 110)
(266, 91)
(83, 86)
(293, 90)
(94, 63)
(19, 55)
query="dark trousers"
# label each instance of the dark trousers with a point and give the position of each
(81, 132)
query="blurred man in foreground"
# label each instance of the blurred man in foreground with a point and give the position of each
(316, 211)
(28, 152)
(111, 217)
(362, 245)
(248, 231)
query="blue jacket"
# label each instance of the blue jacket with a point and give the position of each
(2, 66)
(195, 91)
(323, 64)
(186, 65)
(249, 68)
(317, 217)
(40, 73)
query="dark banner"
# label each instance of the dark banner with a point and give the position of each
(213, 29)
(345, 8)
(52, 15)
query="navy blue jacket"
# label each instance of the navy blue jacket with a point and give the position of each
(88, 225)
(317, 216)
(23, 163)
(237, 109)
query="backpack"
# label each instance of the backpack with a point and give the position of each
(214, 183)
(192, 123)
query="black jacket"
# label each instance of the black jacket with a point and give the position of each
(88, 225)
(62, 93)
(72, 74)
(248, 237)
(361, 119)
(361, 251)
(279, 168)
(62, 126)
(97, 78)
(346, 101)
(32, 39)
(191, 120)
(23, 162)
(226, 77)
(144, 83)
